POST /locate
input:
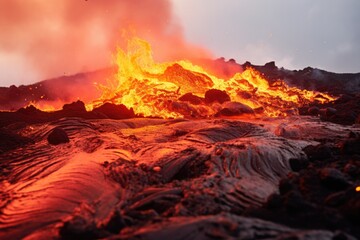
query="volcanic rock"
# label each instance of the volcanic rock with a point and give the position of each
(79, 228)
(319, 152)
(313, 110)
(77, 106)
(234, 109)
(327, 112)
(247, 64)
(333, 178)
(351, 170)
(351, 146)
(352, 207)
(287, 131)
(274, 201)
(58, 136)
(336, 199)
(345, 110)
(166, 177)
(270, 65)
(193, 99)
(114, 111)
(297, 164)
(286, 185)
(295, 202)
(358, 119)
(244, 94)
(29, 110)
(10, 140)
(215, 95)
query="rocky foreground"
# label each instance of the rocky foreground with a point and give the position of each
(141, 178)
(111, 174)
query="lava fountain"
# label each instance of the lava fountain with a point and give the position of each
(165, 141)
(160, 89)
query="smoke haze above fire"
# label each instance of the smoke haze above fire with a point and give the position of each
(43, 39)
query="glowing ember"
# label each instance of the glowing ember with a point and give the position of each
(153, 89)
(357, 189)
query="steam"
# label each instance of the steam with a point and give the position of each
(63, 37)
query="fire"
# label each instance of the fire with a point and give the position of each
(153, 89)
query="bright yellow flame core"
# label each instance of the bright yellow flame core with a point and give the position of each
(153, 89)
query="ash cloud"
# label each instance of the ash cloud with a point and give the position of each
(62, 37)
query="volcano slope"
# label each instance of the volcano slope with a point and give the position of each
(111, 174)
(142, 178)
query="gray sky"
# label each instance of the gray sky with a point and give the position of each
(296, 34)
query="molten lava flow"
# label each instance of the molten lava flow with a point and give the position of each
(154, 89)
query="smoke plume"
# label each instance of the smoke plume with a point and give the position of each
(53, 38)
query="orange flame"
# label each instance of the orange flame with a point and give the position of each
(153, 89)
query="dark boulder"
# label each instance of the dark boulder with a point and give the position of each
(286, 185)
(314, 111)
(351, 146)
(352, 207)
(215, 95)
(29, 110)
(336, 199)
(234, 109)
(319, 152)
(297, 164)
(77, 106)
(294, 202)
(351, 170)
(10, 140)
(58, 136)
(270, 65)
(114, 111)
(274, 201)
(333, 178)
(79, 228)
(328, 112)
(191, 98)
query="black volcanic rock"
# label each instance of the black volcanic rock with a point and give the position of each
(270, 65)
(352, 207)
(336, 199)
(345, 110)
(318, 152)
(58, 136)
(333, 178)
(313, 110)
(77, 106)
(193, 99)
(215, 95)
(10, 140)
(327, 112)
(29, 110)
(114, 111)
(351, 146)
(234, 109)
(297, 164)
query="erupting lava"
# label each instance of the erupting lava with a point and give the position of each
(153, 89)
